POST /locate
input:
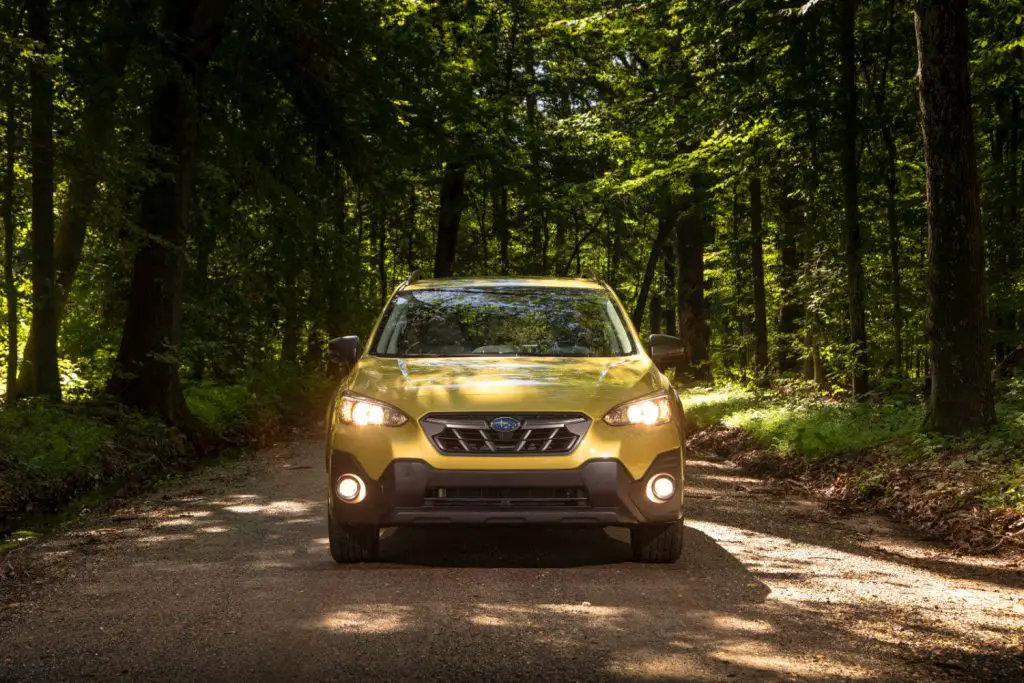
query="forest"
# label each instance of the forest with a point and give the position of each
(822, 198)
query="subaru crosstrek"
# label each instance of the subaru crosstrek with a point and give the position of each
(505, 401)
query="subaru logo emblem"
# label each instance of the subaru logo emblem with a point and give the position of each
(505, 424)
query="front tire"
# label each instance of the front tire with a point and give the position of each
(657, 543)
(353, 543)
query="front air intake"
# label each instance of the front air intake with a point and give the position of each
(533, 433)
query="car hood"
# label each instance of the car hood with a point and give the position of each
(423, 385)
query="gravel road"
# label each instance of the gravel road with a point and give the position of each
(225, 576)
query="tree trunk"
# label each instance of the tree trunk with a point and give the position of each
(410, 230)
(791, 311)
(453, 201)
(146, 374)
(382, 263)
(499, 200)
(757, 270)
(849, 115)
(665, 221)
(41, 366)
(290, 332)
(10, 286)
(671, 281)
(896, 275)
(690, 307)
(205, 242)
(961, 387)
(656, 314)
(83, 190)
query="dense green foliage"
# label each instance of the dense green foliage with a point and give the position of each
(574, 124)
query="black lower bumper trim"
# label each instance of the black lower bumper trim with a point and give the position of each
(407, 494)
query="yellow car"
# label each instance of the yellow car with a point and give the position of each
(505, 401)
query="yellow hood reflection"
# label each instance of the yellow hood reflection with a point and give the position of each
(422, 385)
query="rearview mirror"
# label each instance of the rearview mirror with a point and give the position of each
(665, 350)
(345, 350)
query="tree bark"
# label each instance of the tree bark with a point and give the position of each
(10, 286)
(410, 230)
(791, 311)
(42, 364)
(961, 387)
(670, 248)
(499, 201)
(690, 306)
(849, 114)
(453, 201)
(656, 314)
(146, 373)
(382, 269)
(290, 332)
(757, 270)
(666, 218)
(896, 275)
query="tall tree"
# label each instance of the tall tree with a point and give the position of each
(691, 308)
(791, 227)
(961, 387)
(146, 373)
(757, 272)
(850, 117)
(453, 201)
(666, 220)
(10, 228)
(42, 364)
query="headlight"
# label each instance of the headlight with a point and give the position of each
(654, 410)
(360, 411)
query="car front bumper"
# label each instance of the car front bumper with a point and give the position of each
(407, 493)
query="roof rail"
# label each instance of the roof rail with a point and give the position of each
(589, 275)
(413, 277)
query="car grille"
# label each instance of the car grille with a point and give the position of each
(506, 496)
(538, 434)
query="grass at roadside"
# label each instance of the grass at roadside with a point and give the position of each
(50, 455)
(802, 423)
(875, 453)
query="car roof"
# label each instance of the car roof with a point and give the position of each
(503, 281)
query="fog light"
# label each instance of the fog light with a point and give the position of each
(661, 488)
(351, 488)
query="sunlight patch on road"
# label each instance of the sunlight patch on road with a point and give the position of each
(370, 619)
(540, 616)
(179, 522)
(165, 538)
(487, 620)
(759, 656)
(734, 623)
(276, 508)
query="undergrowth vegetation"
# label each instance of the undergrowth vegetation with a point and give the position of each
(873, 440)
(50, 454)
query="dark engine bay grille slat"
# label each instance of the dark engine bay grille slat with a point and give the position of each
(505, 496)
(538, 433)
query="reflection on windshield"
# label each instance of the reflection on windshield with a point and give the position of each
(492, 321)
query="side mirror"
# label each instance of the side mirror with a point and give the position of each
(345, 350)
(665, 350)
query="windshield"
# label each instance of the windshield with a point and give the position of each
(492, 321)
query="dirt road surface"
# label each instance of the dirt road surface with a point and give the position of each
(226, 577)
